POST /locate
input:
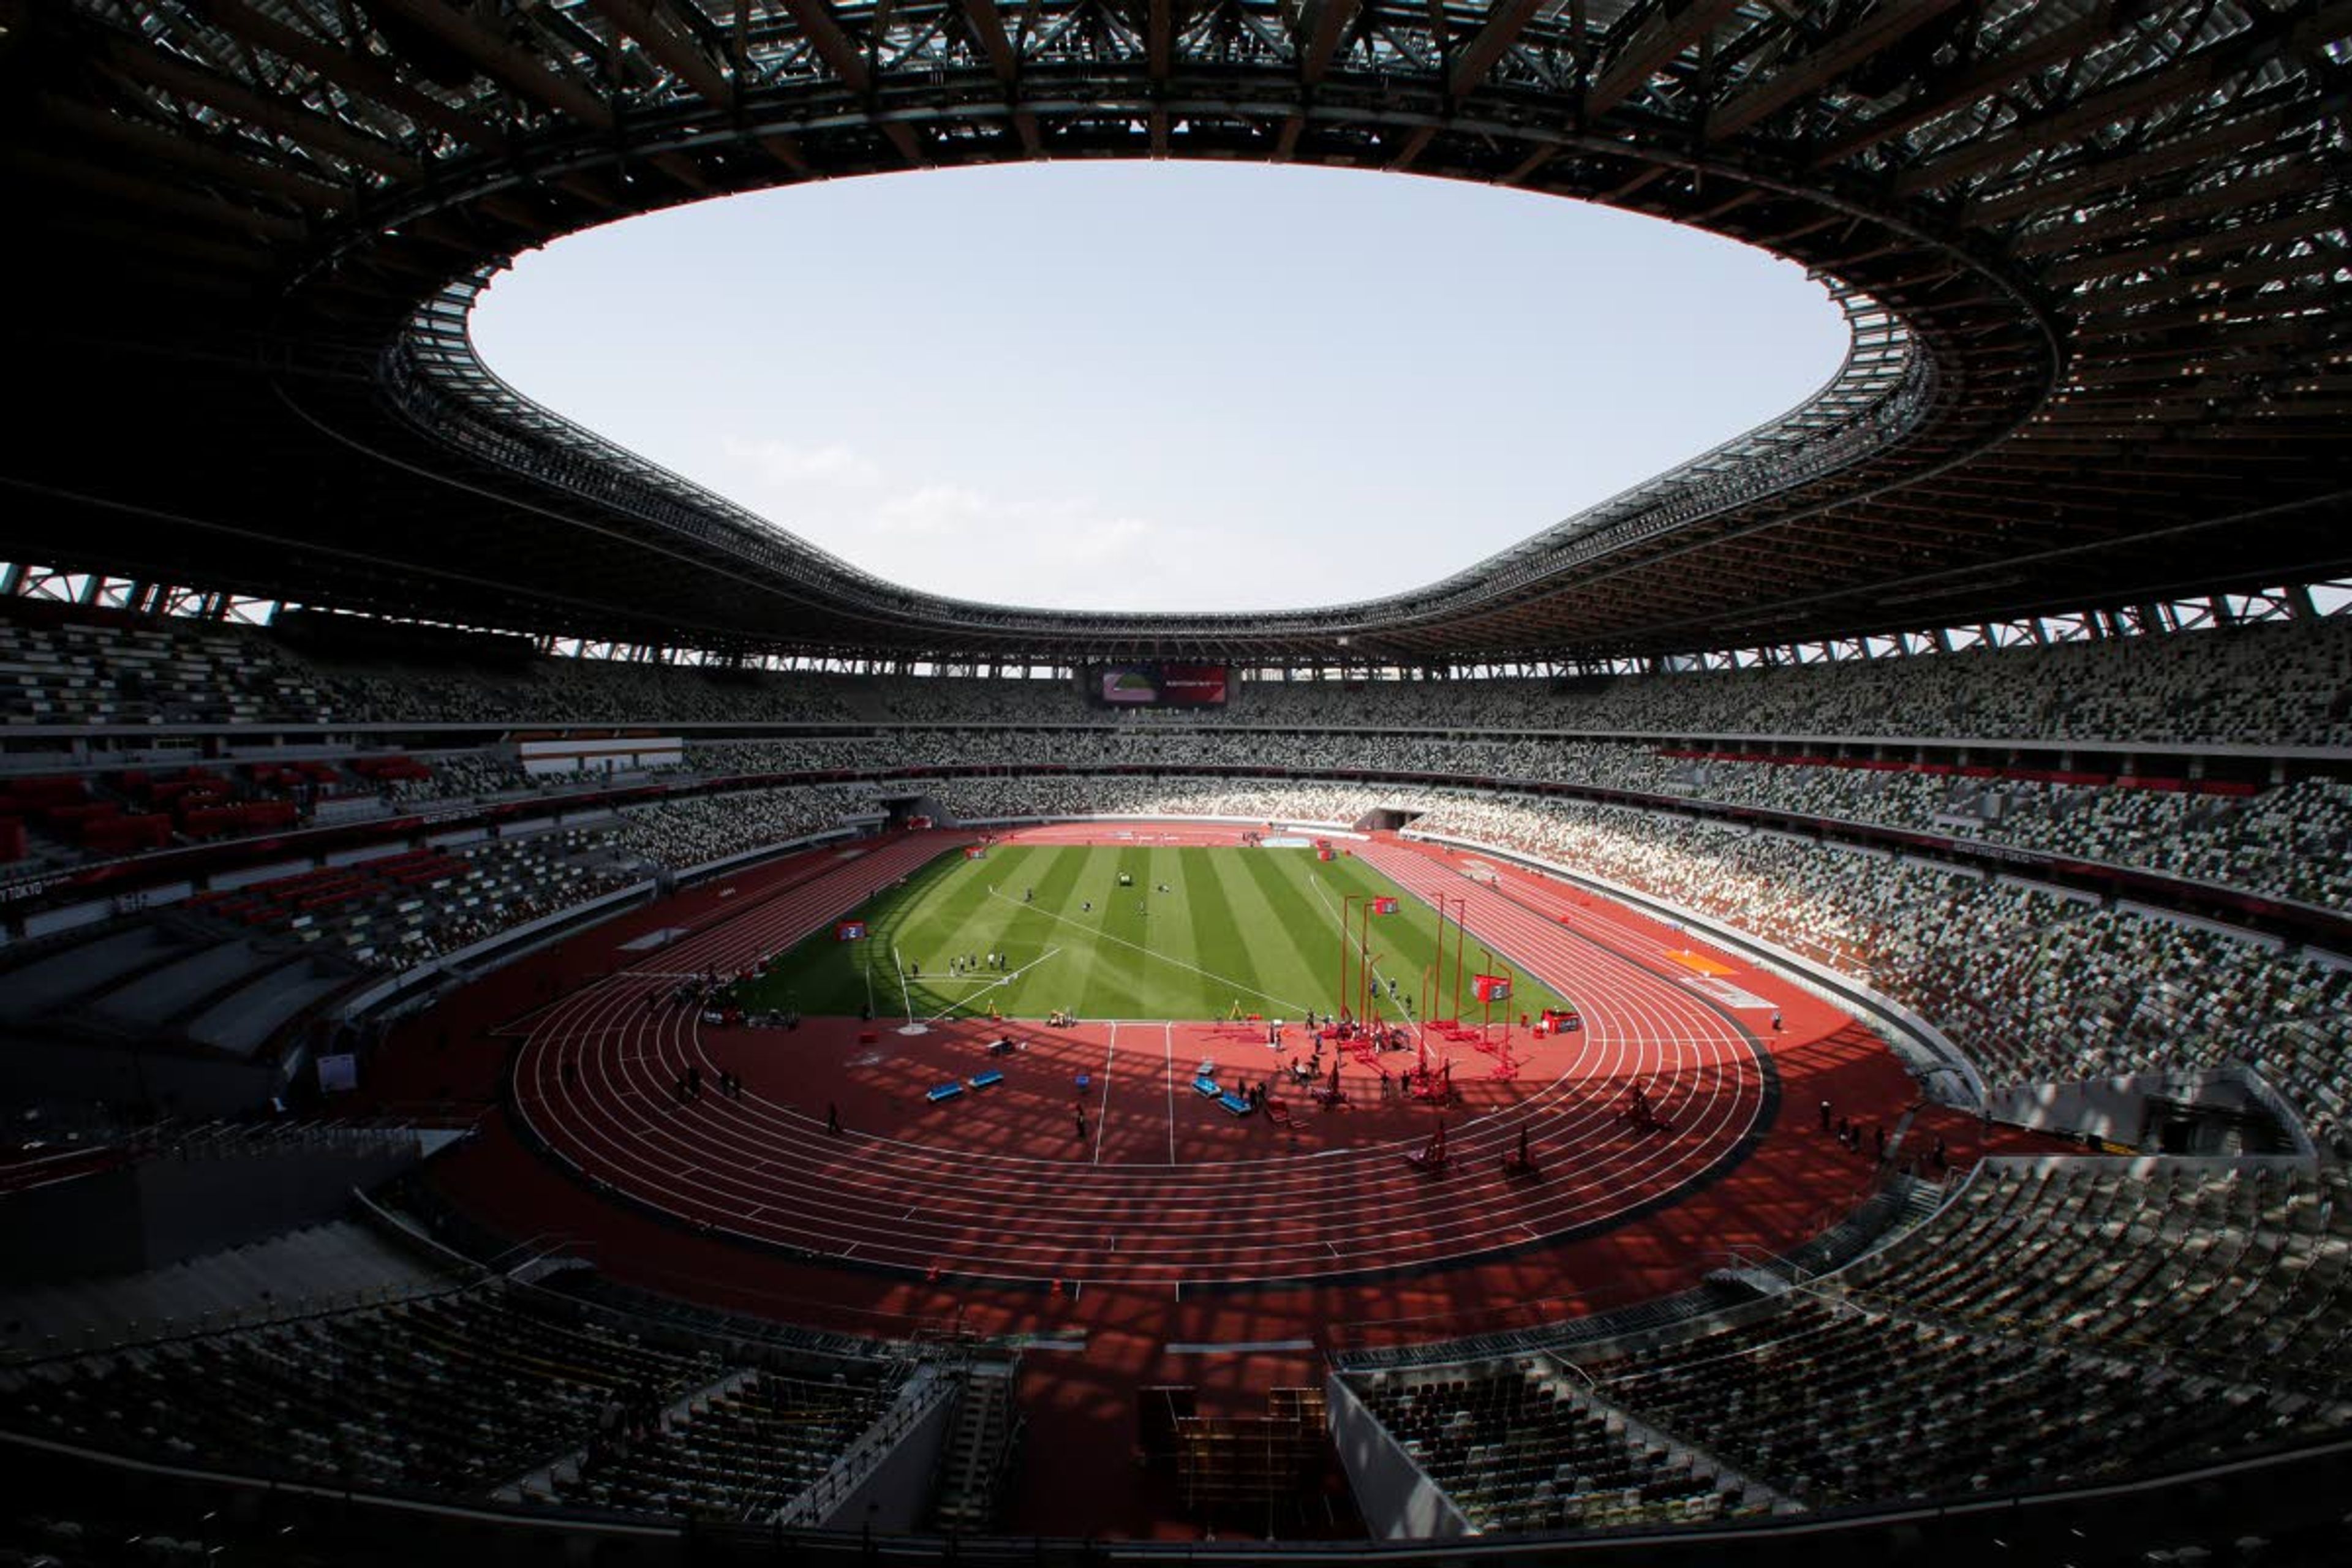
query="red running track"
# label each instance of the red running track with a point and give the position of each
(1153, 1189)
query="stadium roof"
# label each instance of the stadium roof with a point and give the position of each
(2092, 251)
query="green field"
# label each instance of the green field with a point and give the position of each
(1260, 927)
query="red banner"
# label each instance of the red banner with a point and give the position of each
(1385, 906)
(849, 930)
(1491, 988)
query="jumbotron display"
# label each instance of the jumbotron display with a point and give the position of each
(1156, 685)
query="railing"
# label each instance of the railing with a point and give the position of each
(922, 1396)
(1541, 1323)
(232, 1138)
(132, 1333)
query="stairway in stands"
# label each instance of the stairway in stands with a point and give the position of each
(978, 1454)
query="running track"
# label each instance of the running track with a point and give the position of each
(761, 1171)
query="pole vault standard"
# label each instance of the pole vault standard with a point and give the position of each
(1340, 997)
(1364, 961)
(1485, 1002)
(905, 996)
(1489, 969)
(1435, 1008)
(1461, 915)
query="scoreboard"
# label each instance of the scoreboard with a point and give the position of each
(1156, 685)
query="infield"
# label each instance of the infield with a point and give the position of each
(1193, 932)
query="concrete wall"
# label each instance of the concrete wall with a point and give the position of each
(1399, 1503)
(162, 1210)
(2114, 1108)
(70, 1230)
(33, 1069)
(895, 1494)
(194, 1205)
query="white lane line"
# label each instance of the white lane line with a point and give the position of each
(1102, 1117)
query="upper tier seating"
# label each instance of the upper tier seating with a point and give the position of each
(2267, 684)
(2291, 842)
(122, 670)
(400, 910)
(702, 828)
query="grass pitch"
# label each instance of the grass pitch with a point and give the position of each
(1250, 926)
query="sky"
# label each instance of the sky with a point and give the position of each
(1158, 386)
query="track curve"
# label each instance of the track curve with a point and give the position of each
(593, 1083)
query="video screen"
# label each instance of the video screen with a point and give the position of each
(1158, 685)
(1192, 685)
(1125, 685)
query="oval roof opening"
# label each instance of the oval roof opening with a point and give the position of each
(1160, 386)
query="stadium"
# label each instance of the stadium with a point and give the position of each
(1802, 1009)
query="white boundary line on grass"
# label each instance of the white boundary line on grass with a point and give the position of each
(990, 984)
(1297, 1009)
